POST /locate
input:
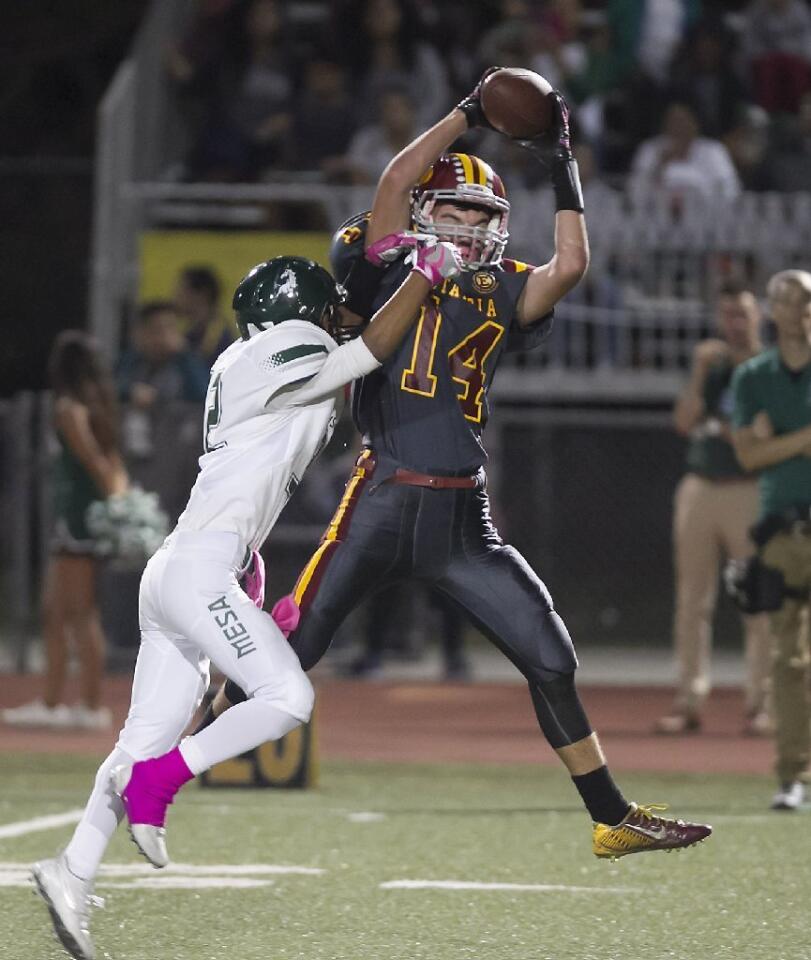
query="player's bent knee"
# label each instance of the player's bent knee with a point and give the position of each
(293, 693)
(557, 652)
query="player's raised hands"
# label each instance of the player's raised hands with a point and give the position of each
(557, 141)
(436, 260)
(471, 106)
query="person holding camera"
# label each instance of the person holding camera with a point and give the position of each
(715, 504)
(772, 418)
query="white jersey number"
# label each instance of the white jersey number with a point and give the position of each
(213, 414)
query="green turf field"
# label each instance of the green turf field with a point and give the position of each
(743, 894)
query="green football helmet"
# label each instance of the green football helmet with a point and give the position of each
(288, 288)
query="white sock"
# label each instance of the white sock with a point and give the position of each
(236, 731)
(101, 816)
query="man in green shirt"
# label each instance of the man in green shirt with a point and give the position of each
(772, 417)
(714, 506)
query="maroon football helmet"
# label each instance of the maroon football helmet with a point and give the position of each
(465, 180)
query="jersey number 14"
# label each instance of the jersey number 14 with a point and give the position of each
(466, 361)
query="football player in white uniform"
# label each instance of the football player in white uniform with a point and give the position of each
(273, 400)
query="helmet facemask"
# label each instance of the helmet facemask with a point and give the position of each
(332, 319)
(486, 242)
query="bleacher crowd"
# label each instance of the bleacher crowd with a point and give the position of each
(679, 92)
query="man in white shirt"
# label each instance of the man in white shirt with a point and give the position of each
(273, 400)
(680, 163)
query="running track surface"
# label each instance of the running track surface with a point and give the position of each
(432, 722)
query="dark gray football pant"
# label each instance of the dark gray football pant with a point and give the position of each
(383, 533)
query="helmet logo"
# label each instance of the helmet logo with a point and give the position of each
(289, 285)
(484, 281)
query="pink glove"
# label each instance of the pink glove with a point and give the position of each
(287, 614)
(436, 260)
(392, 247)
(253, 580)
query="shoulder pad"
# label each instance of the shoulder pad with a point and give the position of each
(348, 245)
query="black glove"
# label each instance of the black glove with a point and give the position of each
(555, 142)
(471, 106)
(554, 149)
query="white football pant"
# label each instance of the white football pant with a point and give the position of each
(192, 611)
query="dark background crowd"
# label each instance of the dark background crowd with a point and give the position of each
(336, 88)
(680, 92)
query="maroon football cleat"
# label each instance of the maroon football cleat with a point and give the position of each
(643, 830)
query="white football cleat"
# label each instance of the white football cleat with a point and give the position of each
(69, 900)
(150, 839)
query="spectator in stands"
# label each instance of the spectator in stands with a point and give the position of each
(714, 507)
(197, 298)
(374, 145)
(647, 34)
(702, 76)
(791, 163)
(777, 52)
(248, 125)
(88, 468)
(325, 118)
(509, 41)
(556, 47)
(680, 162)
(158, 369)
(597, 74)
(381, 41)
(163, 384)
(195, 61)
(747, 141)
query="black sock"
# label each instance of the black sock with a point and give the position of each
(208, 718)
(602, 797)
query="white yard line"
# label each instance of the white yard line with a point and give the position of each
(185, 883)
(365, 816)
(188, 869)
(22, 827)
(515, 887)
(206, 869)
(176, 876)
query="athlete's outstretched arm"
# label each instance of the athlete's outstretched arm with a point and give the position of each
(391, 207)
(433, 262)
(547, 284)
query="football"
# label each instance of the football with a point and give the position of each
(517, 102)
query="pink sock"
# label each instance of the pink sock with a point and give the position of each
(153, 786)
(171, 769)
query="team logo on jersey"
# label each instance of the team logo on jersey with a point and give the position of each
(484, 281)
